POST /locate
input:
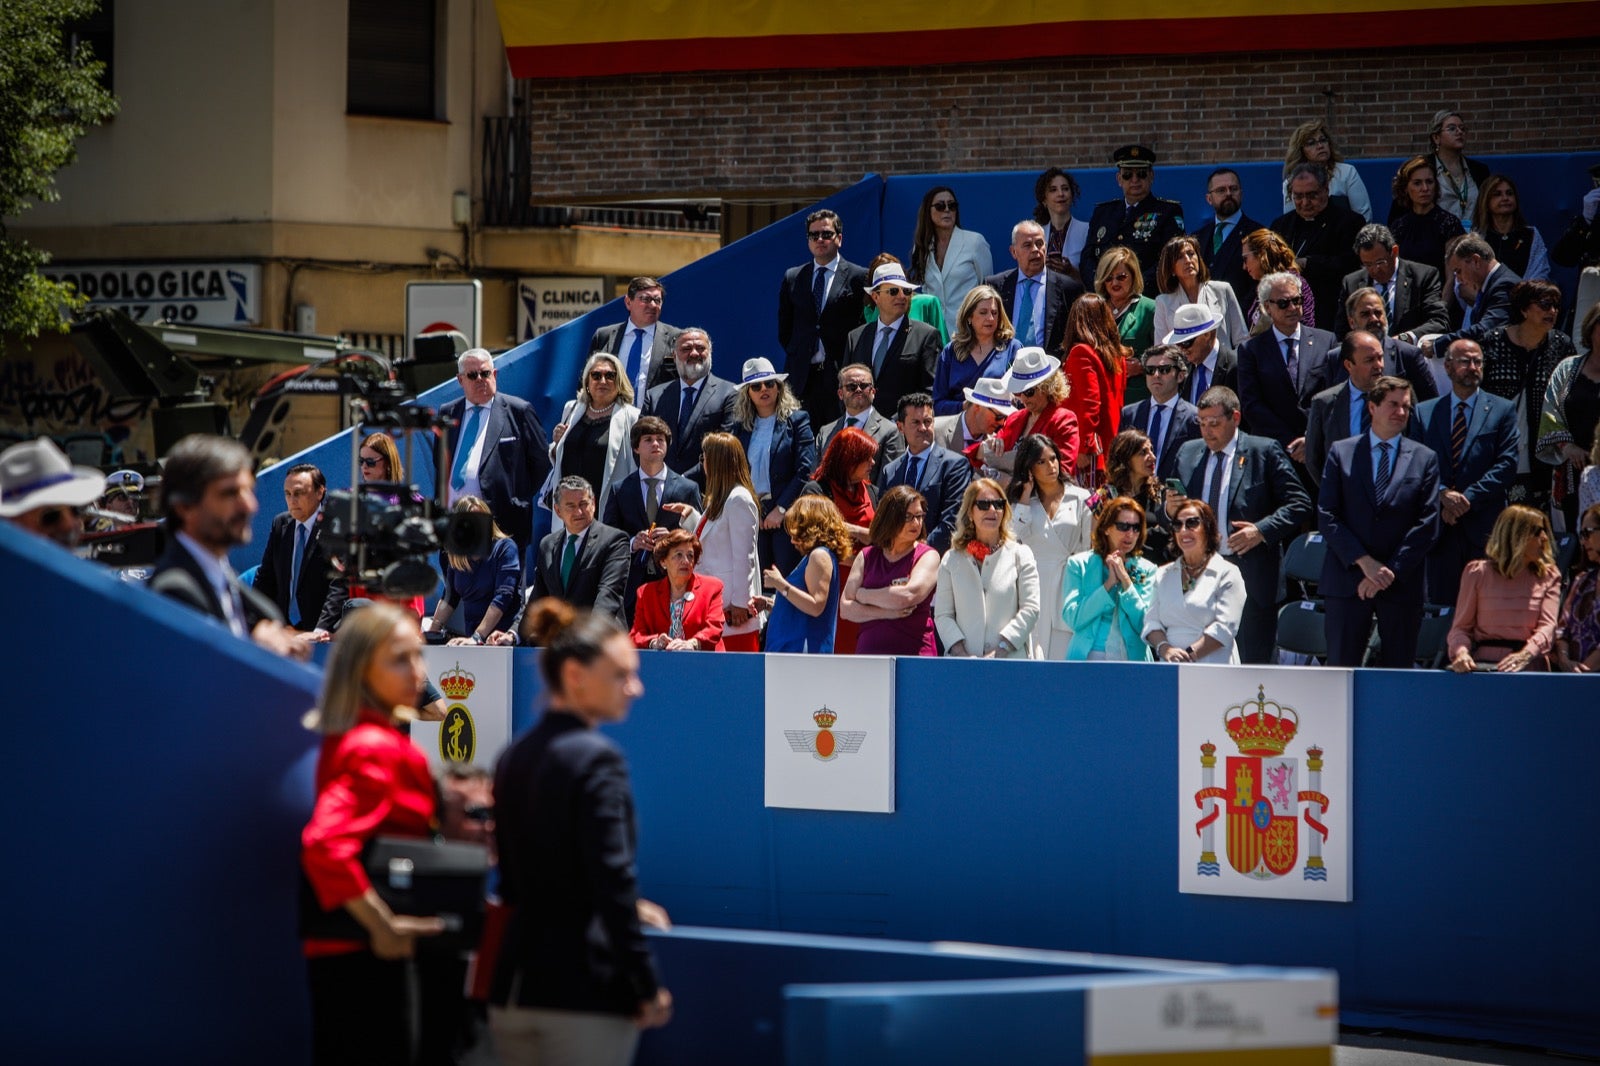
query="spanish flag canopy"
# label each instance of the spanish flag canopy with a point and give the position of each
(589, 38)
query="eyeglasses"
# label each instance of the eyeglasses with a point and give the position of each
(1157, 369)
(647, 298)
(1190, 343)
(1283, 303)
(1214, 422)
(893, 290)
(1549, 303)
(368, 462)
(1586, 532)
(1030, 392)
(1321, 138)
(478, 813)
(1194, 521)
(56, 516)
(945, 205)
(602, 375)
(1307, 197)
(821, 234)
(989, 505)
(1129, 527)
(916, 516)
(857, 386)
(1120, 277)
(477, 375)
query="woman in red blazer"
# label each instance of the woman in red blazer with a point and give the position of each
(1035, 380)
(682, 611)
(1096, 376)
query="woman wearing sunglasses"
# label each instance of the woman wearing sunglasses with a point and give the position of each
(782, 451)
(1107, 589)
(947, 260)
(1194, 614)
(380, 459)
(986, 602)
(592, 439)
(1035, 380)
(1522, 362)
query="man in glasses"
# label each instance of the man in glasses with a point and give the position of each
(1209, 361)
(1220, 237)
(1137, 219)
(1365, 309)
(498, 448)
(1412, 293)
(1166, 418)
(693, 403)
(819, 303)
(1322, 234)
(900, 351)
(1281, 368)
(42, 492)
(643, 343)
(295, 570)
(857, 392)
(1483, 286)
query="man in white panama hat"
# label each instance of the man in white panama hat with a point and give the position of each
(988, 404)
(901, 352)
(1194, 333)
(41, 491)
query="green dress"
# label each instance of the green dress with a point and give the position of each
(1137, 325)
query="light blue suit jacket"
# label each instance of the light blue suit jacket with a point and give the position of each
(1089, 609)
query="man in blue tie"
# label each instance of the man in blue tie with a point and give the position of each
(938, 473)
(498, 449)
(900, 351)
(295, 570)
(1036, 299)
(819, 303)
(1480, 280)
(644, 343)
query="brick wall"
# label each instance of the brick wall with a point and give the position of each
(801, 132)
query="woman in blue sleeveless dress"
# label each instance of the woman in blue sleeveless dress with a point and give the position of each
(805, 604)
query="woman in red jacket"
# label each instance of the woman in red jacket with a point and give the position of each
(1035, 380)
(371, 780)
(682, 611)
(1096, 376)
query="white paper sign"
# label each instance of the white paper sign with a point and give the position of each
(1264, 782)
(830, 732)
(476, 683)
(1290, 1014)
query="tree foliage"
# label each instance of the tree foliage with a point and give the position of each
(49, 97)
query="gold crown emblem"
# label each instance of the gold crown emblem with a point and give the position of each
(1258, 730)
(825, 718)
(457, 683)
(1208, 748)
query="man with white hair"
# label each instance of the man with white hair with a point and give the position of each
(1283, 367)
(1036, 299)
(498, 449)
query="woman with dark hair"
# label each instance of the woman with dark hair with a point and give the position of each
(1459, 178)
(1131, 472)
(1506, 611)
(781, 448)
(1570, 408)
(574, 969)
(844, 478)
(371, 780)
(727, 533)
(1054, 194)
(1578, 639)
(982, 346)
(925, 307)
(1096, 368)
(1050, 517)
(947, 260)
(1420, 226)
(1183, 278)
(1119, 281)
(683, 610)
(1199, 597)
(1498, 220)
(806, 602)
(1312, 143)
(591, 440)
(1519, 362)
(890, 591)
(1263, 252)
(380, 459)
(987, 600)
(1108, 588)
(485, 588)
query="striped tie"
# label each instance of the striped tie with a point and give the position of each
(1384, 471)
(1458, 435)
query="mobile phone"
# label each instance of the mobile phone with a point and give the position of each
(1175, 485)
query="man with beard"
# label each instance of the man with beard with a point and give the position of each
(693, 404)
(1220, 238)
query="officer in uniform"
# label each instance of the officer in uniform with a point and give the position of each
(1135, 220)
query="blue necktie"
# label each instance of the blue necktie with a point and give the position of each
(635, 355)
(819, 286)
(1383, 468)
(469, 436)
(913, 470)
(294, 573)
(685, 407)
(1025, 312)
(1201, 381)
(1155, 429)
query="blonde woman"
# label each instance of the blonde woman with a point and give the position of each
(1312, 143)
(483, 588)
(591, 440)
(986, 602)
(728, 534)
(981, 347)
(781, 447)
(805, 602)
(1505, 618)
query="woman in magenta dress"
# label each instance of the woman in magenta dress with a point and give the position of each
(890, 591)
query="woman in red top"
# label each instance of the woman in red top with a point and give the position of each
(845, 477)
(1096, 375)
(1036, 381)
(371, 780)
(682, 611)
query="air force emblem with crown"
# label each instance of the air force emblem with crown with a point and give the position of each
(825, 743)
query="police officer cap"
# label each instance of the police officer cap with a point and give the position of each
(1133, 155)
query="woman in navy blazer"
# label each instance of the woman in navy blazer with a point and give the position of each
(782, 449)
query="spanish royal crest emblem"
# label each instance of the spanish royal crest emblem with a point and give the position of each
(458, 735)
(1261, 797)
(825, 743)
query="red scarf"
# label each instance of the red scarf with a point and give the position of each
(978, 550)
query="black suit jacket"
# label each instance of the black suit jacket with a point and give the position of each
(1407, 361)
(320, 595)
(515, 461)
(1227, 263)
(1397, 530)
(891, 445)
(1327, 421)
(1273, 405)
(1144, 230)
(1060, 293)
(177, 575)
(1491, 309)
(1325, 247)
(713, 412)
(1418, 300)
(907, 365)
(663, 367)
(599, 573)
(1184, 427)
(1225, 373)
(942, 481)
(800, 326)
(625, 510)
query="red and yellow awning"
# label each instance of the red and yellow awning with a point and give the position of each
(587, 38)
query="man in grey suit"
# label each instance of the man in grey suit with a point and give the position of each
(499, 451)
(1412, 293)
(988, 404)
(857, 392)
(644, 343)
(1166, 418)
(1281, 368)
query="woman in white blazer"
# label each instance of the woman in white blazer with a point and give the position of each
(986, 602)
(1199, 597)
(1051, 518)
(947, 260)
(1183, 278)
(591, 440)
(727, 532)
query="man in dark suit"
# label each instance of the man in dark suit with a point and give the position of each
(1484, 280)
(694, 403)
(1137, 220)
(938, 473)
(1220, 237)
(644, 343)
(1340, 411)
(1166, 418)
(635, 503)
(1281, 368)
(209, 495)
(1209, 361)
(1411, 293)
(1049, 293)
(1474, 434)
(1259, 503)
(1379, 512)
(295, 571)
(1364, 309)
(901, 352)
(1322, 234)
(583, 562)
(819, 303)
(857, 393)
(498, 449)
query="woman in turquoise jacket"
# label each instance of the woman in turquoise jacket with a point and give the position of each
(1107, 589)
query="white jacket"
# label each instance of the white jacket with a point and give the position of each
(981, 607)
(728, 553)
(620, 461)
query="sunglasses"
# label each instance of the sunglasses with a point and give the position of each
(1161, 368)
(1030, 392)
(1130, 175)
(367, 463)
(945, 205)
(857, 386)
(1128, 527)
(821, 234)
(602, 375)
(763, 386)
(1549, 303)
(1192, 522)
(478, 813)
(56, 516)
(989, 505)
(893, 290)
(1123, 277)
(477, 375)
(1586, 532)
(1286, 302)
